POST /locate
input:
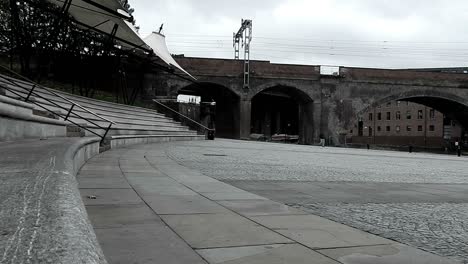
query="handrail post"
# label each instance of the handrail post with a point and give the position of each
(105, 134)
(209, 132)
(30, 92)
(69, 112)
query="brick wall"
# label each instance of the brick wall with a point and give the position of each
(227, 67)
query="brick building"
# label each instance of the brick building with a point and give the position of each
(402, 123)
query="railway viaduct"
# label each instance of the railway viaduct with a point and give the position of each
(298, 99)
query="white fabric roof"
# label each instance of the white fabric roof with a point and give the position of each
(103, 20)
(157, 42)
(96, 16)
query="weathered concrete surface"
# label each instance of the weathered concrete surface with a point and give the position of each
(42, 217)
(417, 199)
(18, 122)
(206, 220)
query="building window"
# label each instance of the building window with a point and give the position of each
(370, 117)
(389, 104)
(398, 129)
(379, 116)
(432, 128)
(398, 103)
(407, 103)
(388, 128)
(389, 116)
(420, 128)
(398, 115)
(408, 128)
(420, 114)
(379, 129)
(432, 113)
(370, 131)
(408, 115)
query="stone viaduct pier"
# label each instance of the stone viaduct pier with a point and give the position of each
(298, 99)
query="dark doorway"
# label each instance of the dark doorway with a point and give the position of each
(226, 117)
(283, 110)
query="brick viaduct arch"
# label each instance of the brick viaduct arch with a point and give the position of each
(333, 102)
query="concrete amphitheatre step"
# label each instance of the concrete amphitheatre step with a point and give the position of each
(105, 108)
(122, 119)
(128, 120)
(85, 100)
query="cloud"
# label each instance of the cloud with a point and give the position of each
(368, 33)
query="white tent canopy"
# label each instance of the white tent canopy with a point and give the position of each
(157, 42)
(104, 15)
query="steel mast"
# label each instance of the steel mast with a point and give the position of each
(244, 35)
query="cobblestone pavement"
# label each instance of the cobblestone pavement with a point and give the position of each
(417, 199)
(438, 228)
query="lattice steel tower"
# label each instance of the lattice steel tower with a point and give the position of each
(244, 35)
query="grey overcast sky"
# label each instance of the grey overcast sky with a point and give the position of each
(362, 33)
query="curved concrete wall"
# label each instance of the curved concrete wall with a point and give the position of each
(42, 215)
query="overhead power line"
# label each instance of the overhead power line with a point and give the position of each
(198, 36)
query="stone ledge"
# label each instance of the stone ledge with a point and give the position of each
(16, 112)
(43, 219)
(8, 100)
(125, 140)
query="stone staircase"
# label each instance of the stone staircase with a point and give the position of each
(94, 115)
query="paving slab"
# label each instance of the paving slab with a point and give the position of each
(319, 233)
(111, 216)
(384, 254)
(110, 196)
(176, 169)
(154, 243)
(268, 254)
(99, 173)
(193, 179)
(221, 230)
(153, 189)
(103, 183)
(260, 207)
(211, 186)
(154, 173)
(140, 170)
(286, 196)
(151, 180)
(183, 204)
(125, 163)
(226, 196)
(103, 167)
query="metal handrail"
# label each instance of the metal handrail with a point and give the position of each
(184, 116)
(69, 111)
(34, 85)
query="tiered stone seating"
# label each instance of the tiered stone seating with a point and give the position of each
(129, 121)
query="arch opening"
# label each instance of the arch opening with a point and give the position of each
(226, 110)
(283, 113)
(421, 121)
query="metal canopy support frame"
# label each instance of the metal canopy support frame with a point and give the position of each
(110, 11)
(245, 35)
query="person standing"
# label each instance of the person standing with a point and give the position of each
(322, 140)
